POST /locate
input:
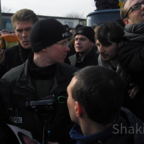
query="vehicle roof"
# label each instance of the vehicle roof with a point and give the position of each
(104, 11)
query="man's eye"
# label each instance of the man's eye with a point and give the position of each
(28, 29)
(136, 7)
(97, 45)
(19, 31)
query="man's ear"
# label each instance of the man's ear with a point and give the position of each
(78, 109)
(44, 49)
(127, 21)
(92, 44)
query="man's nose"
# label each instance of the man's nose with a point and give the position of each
(67, 48)
(77, 41)
(24, 34)
(142, 6)
(101, 49)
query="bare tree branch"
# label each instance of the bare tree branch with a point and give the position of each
(74, 15)
(6, 10)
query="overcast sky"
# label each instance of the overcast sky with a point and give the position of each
(51, 7)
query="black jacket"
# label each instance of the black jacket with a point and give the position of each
(90, 59)
(131, 57)
(21, 91)
(13, 57)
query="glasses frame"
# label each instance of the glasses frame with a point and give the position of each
(65, 44)
(132, 8)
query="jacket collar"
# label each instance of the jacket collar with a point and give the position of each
(87, 56)
(60, 78)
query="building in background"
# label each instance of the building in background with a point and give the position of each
(71, 22)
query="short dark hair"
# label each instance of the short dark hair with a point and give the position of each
(109, 32)
(100, 91)
(24, 15)
(66, 26)
(121, 23)
(123, 11)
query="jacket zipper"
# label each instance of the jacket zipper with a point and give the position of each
(27, 89)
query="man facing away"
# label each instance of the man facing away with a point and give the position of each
(95, 96)
(22, 22)
(84, 47)
(43, 78)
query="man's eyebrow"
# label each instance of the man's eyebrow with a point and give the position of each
(80, 38)
(24, 28)
(18, 29)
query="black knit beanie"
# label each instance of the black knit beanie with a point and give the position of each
(46, 33)
(87, 32)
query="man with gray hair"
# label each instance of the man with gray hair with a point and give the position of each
(22, 22)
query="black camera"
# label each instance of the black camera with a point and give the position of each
(47, 101)
(46, 105)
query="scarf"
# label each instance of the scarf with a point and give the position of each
(134, 32)
(40, 73)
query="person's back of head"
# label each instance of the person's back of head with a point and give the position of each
(24, 15)
(78, 26)
(120, 22)
(109, 32)
(66, 27)
(100, 91)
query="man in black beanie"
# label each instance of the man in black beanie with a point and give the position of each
(42, 78)
(85, 48)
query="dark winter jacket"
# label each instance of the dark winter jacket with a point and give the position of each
(131, 54)
(13, 57)
(131, 57)
(90, 59)
(119, 69)
(21, 91)
(128, 129)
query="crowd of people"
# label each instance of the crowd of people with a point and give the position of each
(74, 86)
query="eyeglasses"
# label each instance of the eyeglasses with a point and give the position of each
(65, 44)
(134, 7)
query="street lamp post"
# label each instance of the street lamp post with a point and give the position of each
(1, 24)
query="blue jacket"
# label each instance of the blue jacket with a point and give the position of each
(127, 129)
